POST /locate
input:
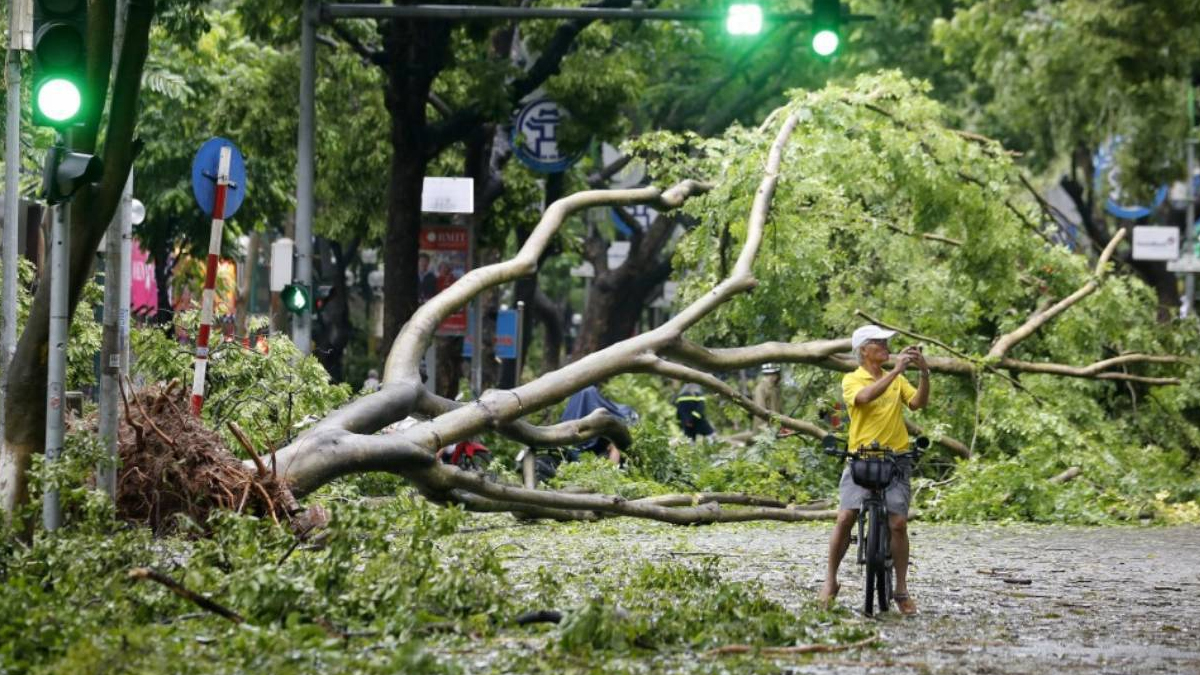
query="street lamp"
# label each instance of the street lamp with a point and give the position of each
(744, 19)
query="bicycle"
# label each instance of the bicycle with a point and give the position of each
(873, 468)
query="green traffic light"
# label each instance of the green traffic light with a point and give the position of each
(295, 298)
(58, 99)
(744, 19)
(825, 42)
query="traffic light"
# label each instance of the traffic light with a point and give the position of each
(59, 62)
(744, 19)
(827, 26)
(296, 298)
(324, 292)
(65, 172)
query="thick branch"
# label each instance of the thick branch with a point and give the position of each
(410, 344)
(1038, 319)
(742, 279)
(653, 364)
(599, 422)
(449, 477)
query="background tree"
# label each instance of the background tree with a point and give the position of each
(890, 232)
(1055, 80)
(119, 86)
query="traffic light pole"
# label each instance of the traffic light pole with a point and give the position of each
(302, 321)
(1189, 283)
(57, 358)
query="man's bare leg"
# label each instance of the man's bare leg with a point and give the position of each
(899, 527)
(839, 541)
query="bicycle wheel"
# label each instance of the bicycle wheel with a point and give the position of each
(875, 581)
(889, 573)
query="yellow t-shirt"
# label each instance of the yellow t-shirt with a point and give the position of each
(880, 420)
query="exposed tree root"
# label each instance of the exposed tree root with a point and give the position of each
(182, 468)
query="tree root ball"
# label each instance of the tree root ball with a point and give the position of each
(171, 465)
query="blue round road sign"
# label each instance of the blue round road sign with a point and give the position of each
(204, 176)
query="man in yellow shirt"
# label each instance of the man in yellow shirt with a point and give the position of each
(875, 401)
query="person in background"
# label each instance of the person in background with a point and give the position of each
(584, 402)
(768, 393)
(689, 410)
(427, 282)
(371, 384)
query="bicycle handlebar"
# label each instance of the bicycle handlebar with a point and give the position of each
(830, 447)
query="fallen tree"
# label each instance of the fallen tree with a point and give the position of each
(345, 442)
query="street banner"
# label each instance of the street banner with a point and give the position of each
(143, 296)
(505, 339)
(442, 259)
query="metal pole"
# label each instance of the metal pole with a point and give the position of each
(520, 341)
(302, 322)
(1189, 282)
(114, 357)
(210, 279)
(110, 356)
(126, 211)
(12, 206)
(57, 360)
(365, 11)
(477, 324)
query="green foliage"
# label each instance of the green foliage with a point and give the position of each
(1051, 78)
(677, 604)
(270, 396)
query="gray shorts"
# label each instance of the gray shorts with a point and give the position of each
(897, 496)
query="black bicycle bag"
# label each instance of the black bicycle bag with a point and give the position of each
(872, 473)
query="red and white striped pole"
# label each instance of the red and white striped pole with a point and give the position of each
(210, 279)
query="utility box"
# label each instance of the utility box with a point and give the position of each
(281, 263)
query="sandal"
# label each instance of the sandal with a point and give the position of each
(826, 601)
(905, 604)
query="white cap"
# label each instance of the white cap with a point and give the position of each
(869, 332)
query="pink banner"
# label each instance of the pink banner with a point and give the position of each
(442, 260)
(143, 298)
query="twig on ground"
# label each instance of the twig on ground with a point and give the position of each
(798, 649)
(143, 573)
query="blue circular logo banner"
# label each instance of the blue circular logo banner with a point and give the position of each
(535, 137)
(1108, 183)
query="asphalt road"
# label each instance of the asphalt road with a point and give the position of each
(992, 599)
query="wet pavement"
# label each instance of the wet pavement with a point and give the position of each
(993, 599)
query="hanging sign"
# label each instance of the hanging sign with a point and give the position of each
(442, 260)
(1108, 183)
(535, 137)
(1155, 242)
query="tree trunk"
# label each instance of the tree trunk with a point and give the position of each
(416, 52)
(246, 289)
(619, 296)
(334, 315)
(164, 265)
(1078, 185)
(92, 211)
